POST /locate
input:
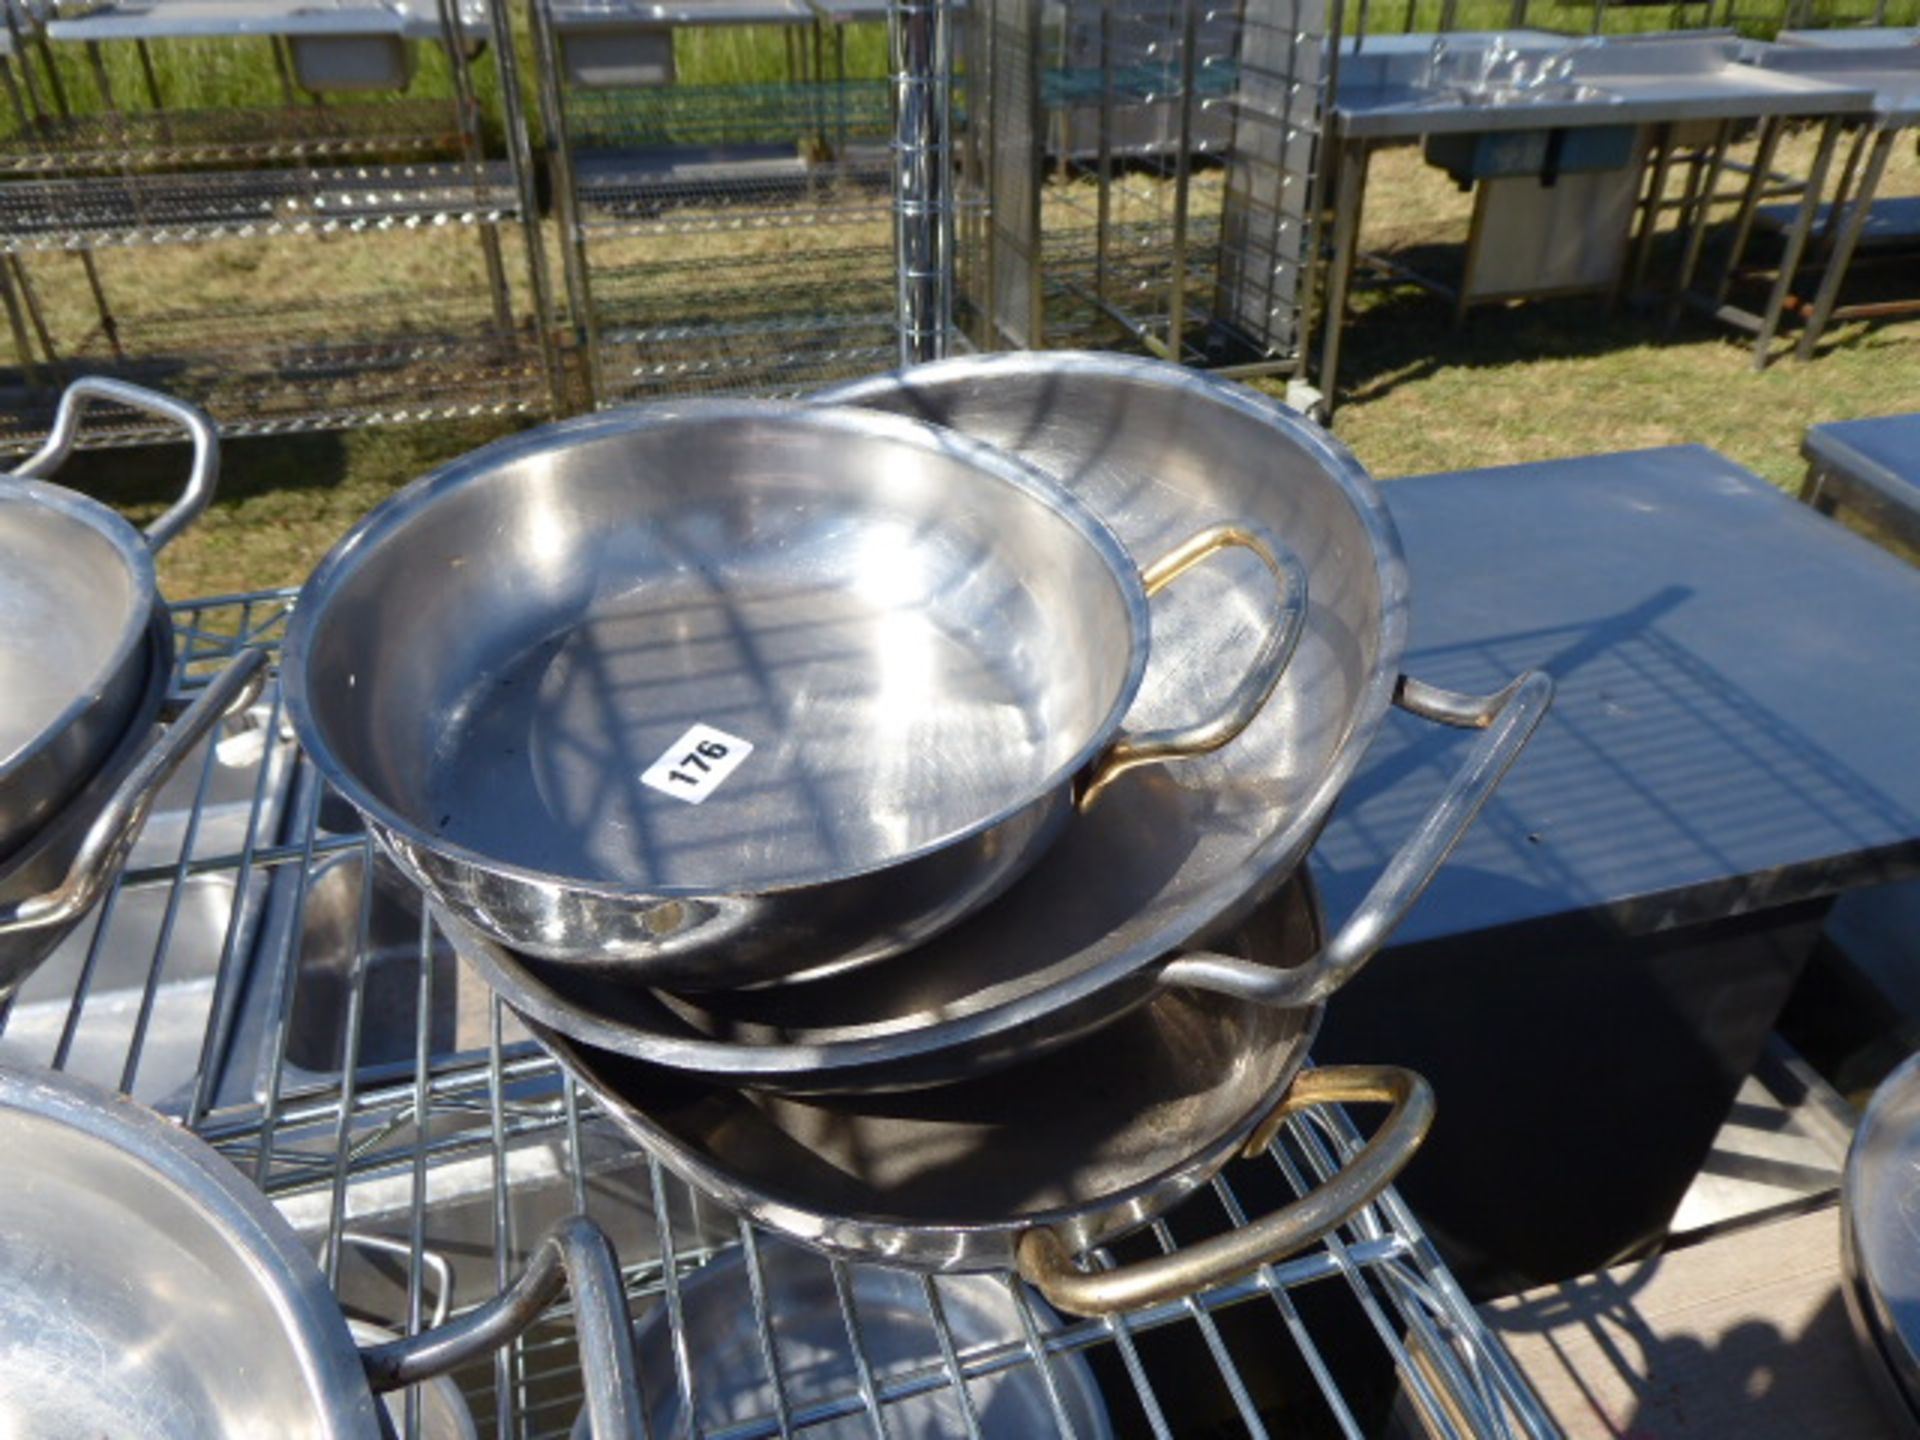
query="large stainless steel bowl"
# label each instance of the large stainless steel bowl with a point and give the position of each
(152, 1292)
(714, 692)
(77, 594)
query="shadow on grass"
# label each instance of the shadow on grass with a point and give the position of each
(142, 480)
(140, 477)
(1404, 334)
(1399, 333)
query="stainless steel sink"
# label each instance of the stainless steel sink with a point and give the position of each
(127, 999)
(329, 942)
(1558, 92)
(320, 940)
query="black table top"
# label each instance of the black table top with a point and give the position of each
(1737, 723)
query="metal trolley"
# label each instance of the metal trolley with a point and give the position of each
(97, 157)
(258, 974)
(1152, 180)
(718, 238)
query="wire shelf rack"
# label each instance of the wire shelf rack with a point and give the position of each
(248, 977)
(97, 211)
(268, 370)
(117, 141)
(836, 110)
(779, 191)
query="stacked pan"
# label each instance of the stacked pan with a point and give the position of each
(86, 657)
(893, 808)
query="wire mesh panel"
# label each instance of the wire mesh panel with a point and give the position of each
(1012, 135)
(1160, 156)
(1283, 91)
(260, 973)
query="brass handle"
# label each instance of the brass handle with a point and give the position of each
(1045, 1263)
(1127, 752)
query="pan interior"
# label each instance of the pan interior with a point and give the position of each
(68, 605)
(908, 645)
(131, 1310)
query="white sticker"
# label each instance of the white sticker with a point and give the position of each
(696, 763)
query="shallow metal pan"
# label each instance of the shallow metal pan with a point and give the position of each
(153, 1292)
(47, 888)
(77, 589)
(1168, 857)
(1878, 1198)
(703, 694)
(1027, 1168)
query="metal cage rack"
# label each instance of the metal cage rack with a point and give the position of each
(1152, 173)
(245, 977)
(398, 162)
(722, 239)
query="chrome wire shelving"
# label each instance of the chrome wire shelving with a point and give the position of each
(247, 977)
(720, 239)
(91, 164)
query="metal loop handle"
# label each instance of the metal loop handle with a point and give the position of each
(104, 848)
(1046, 1264)
(575, 1254)
(1126, 752)
(1509, 718)
(438, 1265)
(202, 477)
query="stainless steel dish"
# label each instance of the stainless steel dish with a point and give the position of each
(153, 1293)
(1879, 1200)
(48, 887)
(1168, 858)
(797, 1293)
(536, 671)
(77, 595)
(1029, 1167)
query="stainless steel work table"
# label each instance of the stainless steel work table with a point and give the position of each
(197, 19)
(1870, 465)
(1652, 83)
(1891, 74)
(1733, 742)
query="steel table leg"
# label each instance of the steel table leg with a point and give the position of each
(1650, 210)
(1347, 200)
(1844, 243)
(1796, 244)
(1700, 213)
(1749, 207)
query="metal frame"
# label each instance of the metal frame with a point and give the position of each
(431, 1148)
(138, 176)
(1152, 167)
(701, 258)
